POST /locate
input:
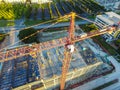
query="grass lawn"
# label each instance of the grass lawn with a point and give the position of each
(4, 23)
(91, 17)
(106, 84)
(1, 37)
(109, 48)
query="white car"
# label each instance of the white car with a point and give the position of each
(83, 35)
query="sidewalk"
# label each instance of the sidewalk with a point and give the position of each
(115, 86)
(12, 38)
(97, 82)
(5, 42)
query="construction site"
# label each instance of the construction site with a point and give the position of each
(47, 66)
(52, 65)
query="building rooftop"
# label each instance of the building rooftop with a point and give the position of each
(109, 4)
(110, 18)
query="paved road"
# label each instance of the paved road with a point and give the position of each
(20, 26)
(62, 24)
(117, 67)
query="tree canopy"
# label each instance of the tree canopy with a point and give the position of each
(27, 32)
(117, 42)
(2, 37)
(89, 27)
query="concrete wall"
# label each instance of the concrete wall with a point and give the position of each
(80, 74)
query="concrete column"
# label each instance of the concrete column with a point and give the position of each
(43, 84)
(54, 82)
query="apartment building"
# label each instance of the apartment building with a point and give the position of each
(110, 4)
(107, 19)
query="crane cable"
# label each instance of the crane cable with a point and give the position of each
(30, 36)
(87, 20)
(33, 26)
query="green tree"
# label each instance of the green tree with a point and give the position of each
(89, 27)
(2, 37)
(117, 42)
(118, 50)
(27, 32)
(92, 27)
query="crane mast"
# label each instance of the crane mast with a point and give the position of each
(69, 48)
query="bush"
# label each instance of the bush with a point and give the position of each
(117, 42)
(27, 32)
(89, 27)
(118, 50)
(4, 23)
(2, 37)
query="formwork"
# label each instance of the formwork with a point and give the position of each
(44, 71)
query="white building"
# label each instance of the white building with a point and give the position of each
(107, 19)
(109, 4)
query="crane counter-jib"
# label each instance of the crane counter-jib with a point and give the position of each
(29, 49)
